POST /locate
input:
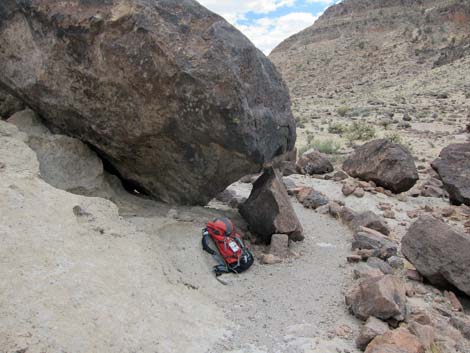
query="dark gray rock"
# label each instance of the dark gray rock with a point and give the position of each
(387, 164)
(269, 210)
(313, 162)
(382, 246)
(177, 100)
(380, 264)
(439, 253)
(9, 105)
(368, 219)
(453, 167)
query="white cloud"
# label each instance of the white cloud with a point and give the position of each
(266, 32)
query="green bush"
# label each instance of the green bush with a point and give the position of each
(327, 146)
(337, 128)
(394, 137)
(342, 111)
(360, 131)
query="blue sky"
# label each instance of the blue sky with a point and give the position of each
(268, 22)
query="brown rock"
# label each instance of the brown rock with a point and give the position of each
(177, 100)
(363, 271)
(313, 162)
(383, 297)
(385, 163)
(412, 214)
(400, 340)
(438, 252)
(359, 192)
(462, 324)
(311, 198)
(348, 189)
(356, 220)
(413, 275)
(269, 211)
(270, 259)
(354, 258)
(279, 245)
(453, 167)
(425, 333)
(447, 212)
(454, 301)
(371, 329)
(389, 214)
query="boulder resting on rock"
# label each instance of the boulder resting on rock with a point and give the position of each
(177, 100)
(385, 163)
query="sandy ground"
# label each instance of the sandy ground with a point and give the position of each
(295, 306)
(79, 274)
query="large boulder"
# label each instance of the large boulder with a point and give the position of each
(385, 163)
(177, 100)
(269, 210)
(383, 298)
(438, 252)
(453, 166)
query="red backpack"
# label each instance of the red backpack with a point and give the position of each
(233, 255)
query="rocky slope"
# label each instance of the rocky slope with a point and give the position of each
(399, 67)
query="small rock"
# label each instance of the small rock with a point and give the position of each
(279, 246)
(311, 198)
(425, 333)
(396, 262)
(414, 275)
(270, 259)
(364, 219)
(412, 214)
(383, 247)
(339, 176)
(371, 329)
(462, 324)
(454, 301)
(384, 267)
(359, 192)
(362, 271)
(447, 212)
(400, 340)
(348, 189)
(313, 162)
(389, 214)
(354, 258)
(383, 298)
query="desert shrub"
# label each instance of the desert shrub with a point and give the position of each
(327, 146)
(343, 110)
(394, 137)
(337, 128)
(360, 131)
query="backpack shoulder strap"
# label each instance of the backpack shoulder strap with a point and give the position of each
(205, 243)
